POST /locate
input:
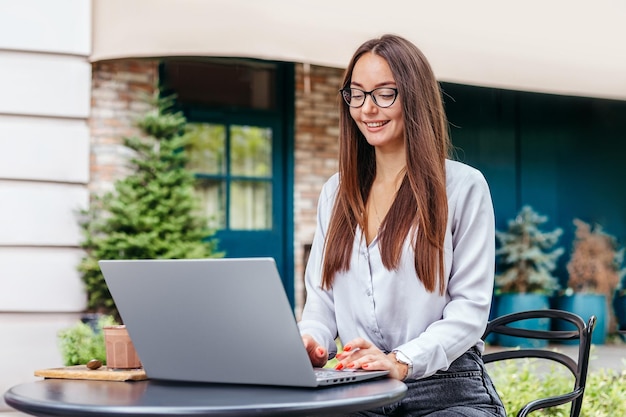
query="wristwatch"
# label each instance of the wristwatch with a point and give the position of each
(402, 358)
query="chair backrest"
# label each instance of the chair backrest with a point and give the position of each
(582, 331)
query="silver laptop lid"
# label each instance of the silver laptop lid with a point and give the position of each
(210, 320)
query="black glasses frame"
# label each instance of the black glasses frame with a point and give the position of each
(346, 92)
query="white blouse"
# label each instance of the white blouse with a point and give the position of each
(392, 309)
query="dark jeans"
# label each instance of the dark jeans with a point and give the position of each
(464, 389)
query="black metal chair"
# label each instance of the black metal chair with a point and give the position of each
(578, 368)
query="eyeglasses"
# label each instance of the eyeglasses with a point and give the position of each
(383, 97)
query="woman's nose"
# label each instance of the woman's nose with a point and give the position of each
(368, 105)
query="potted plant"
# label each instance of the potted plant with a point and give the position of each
(104, 342)
(525, 260)
(594, 271)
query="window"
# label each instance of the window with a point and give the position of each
(233, 165)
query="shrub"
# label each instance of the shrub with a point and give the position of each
(518, 384)
(81, 343)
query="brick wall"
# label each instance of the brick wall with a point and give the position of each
(316, 150)
(118, 98)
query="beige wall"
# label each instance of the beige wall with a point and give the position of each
(45, 87)
(44, 143)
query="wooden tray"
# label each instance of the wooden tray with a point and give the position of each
(100, 374)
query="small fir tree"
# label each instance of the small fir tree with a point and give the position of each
(153, 213)
(595, 265)
(526, 258)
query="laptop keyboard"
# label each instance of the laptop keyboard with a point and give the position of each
(335, 376)
(324, 373)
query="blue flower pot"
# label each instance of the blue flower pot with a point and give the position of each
(585, 305)
(514, 303)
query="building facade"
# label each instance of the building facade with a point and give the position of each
(63, 114)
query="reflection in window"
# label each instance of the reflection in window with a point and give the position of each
(251, 205)
(213, 201)
(206, 148)
(251, 151)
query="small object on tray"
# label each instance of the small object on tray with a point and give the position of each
(94, 364)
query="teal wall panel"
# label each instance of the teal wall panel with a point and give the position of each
(562, 155)
(482, 128)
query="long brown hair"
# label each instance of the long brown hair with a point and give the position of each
(423, 189)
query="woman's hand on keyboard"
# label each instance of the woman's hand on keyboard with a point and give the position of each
(360, 353)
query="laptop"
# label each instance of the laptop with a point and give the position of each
(222, 320)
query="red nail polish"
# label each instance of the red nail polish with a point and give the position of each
(347, 348)
(351, 365)
(339, 366)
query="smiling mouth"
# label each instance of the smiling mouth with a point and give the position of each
(376, 124)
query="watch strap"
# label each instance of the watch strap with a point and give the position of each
(404, 359)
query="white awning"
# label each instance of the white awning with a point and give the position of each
(571, 47)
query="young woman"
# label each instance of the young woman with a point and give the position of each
(402, 263)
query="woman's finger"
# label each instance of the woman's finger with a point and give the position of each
(317, 354)
(358, 343)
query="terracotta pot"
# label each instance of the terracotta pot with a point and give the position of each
(120, 351)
